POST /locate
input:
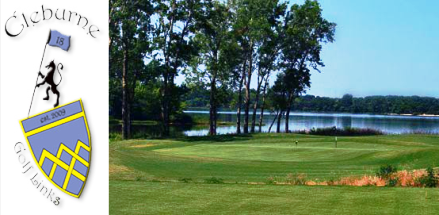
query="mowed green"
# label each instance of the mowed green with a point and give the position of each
(146, 175)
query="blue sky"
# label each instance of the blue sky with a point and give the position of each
(382, 48)
(386, 47)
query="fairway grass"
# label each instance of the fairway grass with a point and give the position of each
(133, 197)
(146, 175)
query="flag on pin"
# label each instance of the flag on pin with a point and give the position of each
(59, 40)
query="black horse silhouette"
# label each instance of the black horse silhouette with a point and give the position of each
(49, 80)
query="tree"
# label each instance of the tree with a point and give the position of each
(267, 53)
(173, 47)
(216, 45)
(279, 101)
(305, 31)
(264, 94)
(295, 82)
(254, 20)
(346, 103)
(129, 24)
(219, 44)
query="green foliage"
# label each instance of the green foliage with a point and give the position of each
(215, 45)
(302, 34)
(129, 24)
(348, 131)
(183, 119)
(370, 104)
(146, 103)
(115, 136)
(430, 180)
(392, 182)
(197, 95)
(386, 171)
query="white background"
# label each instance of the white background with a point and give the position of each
(85, 76)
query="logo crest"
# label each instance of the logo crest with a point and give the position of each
(59, 141)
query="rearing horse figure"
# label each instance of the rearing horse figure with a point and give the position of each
(49, 80)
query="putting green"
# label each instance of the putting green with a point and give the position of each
(255, 158)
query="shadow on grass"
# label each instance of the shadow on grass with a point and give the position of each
(117, 136)
(217, 138)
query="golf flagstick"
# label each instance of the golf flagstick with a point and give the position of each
(55, 39)
(38, 75)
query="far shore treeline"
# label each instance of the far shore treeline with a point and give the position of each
(220, 46)
(386, 105)
(198, 99)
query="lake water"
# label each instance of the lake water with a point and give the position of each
(299, 121)
(307, 121)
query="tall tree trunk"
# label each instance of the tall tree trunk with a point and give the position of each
(171, 86)
(255, 105)
(212, 109)
(272, 123)
(287, 115)
(279, 118)
(246, 105)
(172, 73)
(165, 109)
(125, 106)
(238, 111)
(261, 117)
(247, 90)
(129, 120)
(164, 106)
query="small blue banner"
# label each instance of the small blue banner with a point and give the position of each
(59, 40)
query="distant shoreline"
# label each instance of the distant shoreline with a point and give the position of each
(206, 111)
(409, 114)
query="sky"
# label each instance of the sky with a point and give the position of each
(382, 48)
(386, 47)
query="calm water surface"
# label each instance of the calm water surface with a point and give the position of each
(306, 121)
(300, 121)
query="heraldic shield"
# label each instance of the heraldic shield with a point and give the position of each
(59, 141)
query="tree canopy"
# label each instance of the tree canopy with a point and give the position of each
(218, 46)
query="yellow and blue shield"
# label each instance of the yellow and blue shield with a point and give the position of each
(59, 141)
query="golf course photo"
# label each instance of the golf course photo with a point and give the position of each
(273, 107)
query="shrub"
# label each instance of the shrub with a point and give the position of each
(429, 180)
(214, 180)
(183, 119)
(392, 182)
(386, 171)
(331, 182)
(115, 136)
(348, 131)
